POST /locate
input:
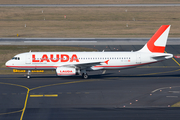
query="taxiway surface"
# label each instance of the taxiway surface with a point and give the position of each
(145, 92)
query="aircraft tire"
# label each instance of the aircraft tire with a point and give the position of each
(85, 75)
(28, 77)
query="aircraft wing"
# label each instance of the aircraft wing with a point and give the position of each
(85, 65)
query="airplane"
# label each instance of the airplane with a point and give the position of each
(78, 63)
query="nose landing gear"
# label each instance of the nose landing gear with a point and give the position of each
(28, 74)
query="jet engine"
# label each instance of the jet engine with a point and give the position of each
(65, 71)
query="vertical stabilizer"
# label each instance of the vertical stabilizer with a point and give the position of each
(158, 41)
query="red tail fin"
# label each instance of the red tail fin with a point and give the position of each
(157, 43)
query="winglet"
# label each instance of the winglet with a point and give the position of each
(158, 41)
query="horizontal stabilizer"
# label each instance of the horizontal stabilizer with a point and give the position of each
(166, 56)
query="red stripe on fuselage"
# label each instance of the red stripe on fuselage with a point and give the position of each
(54, 67)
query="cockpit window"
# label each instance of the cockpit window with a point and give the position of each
(16, 58)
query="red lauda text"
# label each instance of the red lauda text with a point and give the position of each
(55, 58)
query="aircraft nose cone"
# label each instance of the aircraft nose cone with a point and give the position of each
(7, 64)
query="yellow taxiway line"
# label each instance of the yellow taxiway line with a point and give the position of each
(48, 95)
(54, 95)
(36, 95)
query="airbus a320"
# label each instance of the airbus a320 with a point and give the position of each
(78, 63)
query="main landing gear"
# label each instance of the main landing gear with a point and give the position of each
(85, 75)
(28, 74)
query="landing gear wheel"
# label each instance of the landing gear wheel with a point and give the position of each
(85, 75)
(28, 76)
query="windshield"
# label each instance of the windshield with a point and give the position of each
(16, 58)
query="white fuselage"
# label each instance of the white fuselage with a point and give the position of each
(107, 60)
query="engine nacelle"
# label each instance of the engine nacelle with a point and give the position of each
(65, 71)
